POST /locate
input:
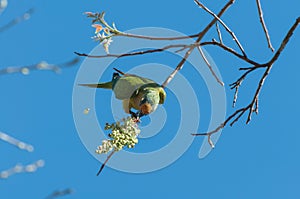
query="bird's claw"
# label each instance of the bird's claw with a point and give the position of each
(135, 117)
(137, 120)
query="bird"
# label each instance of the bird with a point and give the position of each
(139, 93)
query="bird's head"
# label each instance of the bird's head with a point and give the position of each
(149, 103)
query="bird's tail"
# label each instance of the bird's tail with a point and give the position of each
(107, 85)
(122, 73)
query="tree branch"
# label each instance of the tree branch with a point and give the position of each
(59, 193)
(17, 20)
(253, 105)
(209, 66)
(230, 50)
(285, 41)
(224, 25)
(25, 70)
(15, 142)
(30, 168)
(103, 165)
(219, 33)
(133, 53)
(200, 36)
(156, 38)
(262, 21)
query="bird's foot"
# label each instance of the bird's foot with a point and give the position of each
(136, 120)
(135, 116)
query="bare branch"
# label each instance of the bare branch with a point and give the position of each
(255, 98)
(253, 105)
(156, 38)
(230, 50)
(236, 92)
(210, 142)
(13, 141)
(113, 31)
(59, 193)
(207, 28)
(223, 24)
(133, 53)
(103, 165)
(25, 70)
(30, 168)
(262, 21)
(219, 33)
(200, 36)
(17, 20)
(285, 41)
(209, 66)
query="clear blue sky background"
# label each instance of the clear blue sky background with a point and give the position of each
(259, 160)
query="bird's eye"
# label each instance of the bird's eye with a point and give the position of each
(143, 101)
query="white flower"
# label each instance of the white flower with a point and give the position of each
(98, 37)
(122, 134)
(106, 42)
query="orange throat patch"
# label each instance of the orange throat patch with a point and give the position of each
(146, 108)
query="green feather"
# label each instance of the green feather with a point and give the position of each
(107, 85)
(127, 85)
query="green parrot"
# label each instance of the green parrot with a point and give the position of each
(136, 92)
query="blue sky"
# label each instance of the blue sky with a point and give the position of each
(259, 160)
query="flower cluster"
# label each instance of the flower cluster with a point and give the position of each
(103, 31)
(122, 134)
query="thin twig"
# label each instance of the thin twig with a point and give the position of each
(256, 107)
(255, 98)
(103, 165)
(243, 76)
(224, 25)
(230, 50)
(255, 66)
(156, 38)
(235, 95)
(132, 53)
(30, 168)
(221, 126)
(17, 20)
(59, 193)
(15, 142)
(181, 46)
(200, 36)
(25, 70)
(209, 66)
(210, 142)
(262, 21)
(285, 41)
(219, 33)
(99, 17)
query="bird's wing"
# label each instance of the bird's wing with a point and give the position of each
(128, 85)
(126, 105)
